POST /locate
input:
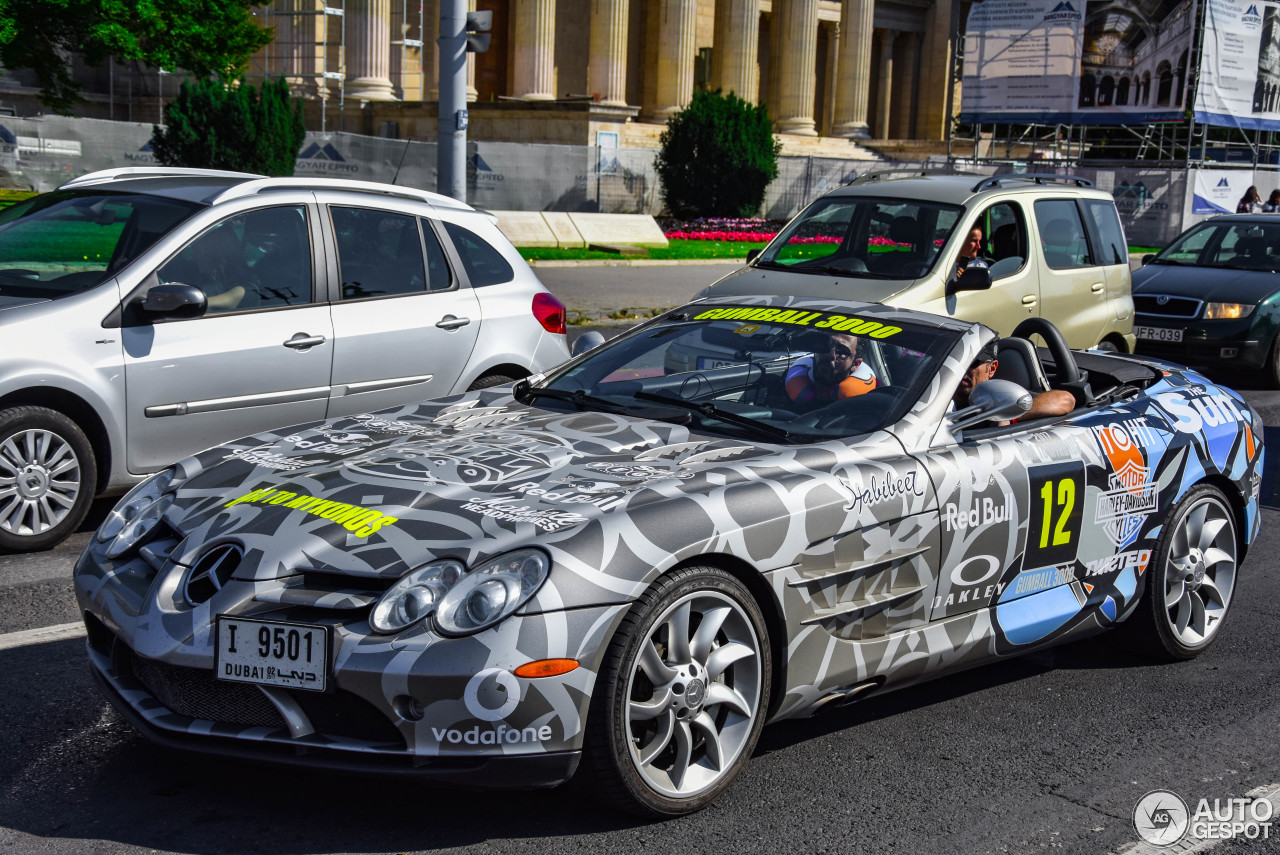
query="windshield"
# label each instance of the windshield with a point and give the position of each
(770, 375)
(65, 242)
(1238, 245)
(873, 238)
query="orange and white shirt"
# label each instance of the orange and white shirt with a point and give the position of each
(802, 390)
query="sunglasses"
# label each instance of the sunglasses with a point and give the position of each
(840, 350)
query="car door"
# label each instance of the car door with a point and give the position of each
(1014, 294)
(259, 358)
(1073, 282)
(404, 324)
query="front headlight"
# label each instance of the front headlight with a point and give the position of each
(1226, 311)
(136, 515)
(491, 592)
(415, 596)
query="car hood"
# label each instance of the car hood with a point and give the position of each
(752, 280)
(465, 478)
(1206, 283)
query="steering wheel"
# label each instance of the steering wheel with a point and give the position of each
(874, 403)
(1065, 368)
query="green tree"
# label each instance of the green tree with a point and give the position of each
(718, 156)
(202, 37)
(235, 127)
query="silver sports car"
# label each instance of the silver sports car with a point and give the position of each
(623, 571)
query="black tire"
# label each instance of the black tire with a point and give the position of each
(708, 706)
(1272, 366)
(48, 464)
(1192, 579)
(490, 380)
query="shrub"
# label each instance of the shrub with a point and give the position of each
(718, 155)
(216, 126)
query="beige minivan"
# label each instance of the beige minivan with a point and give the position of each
(1049, 246)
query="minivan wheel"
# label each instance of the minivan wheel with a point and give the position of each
(47, 478)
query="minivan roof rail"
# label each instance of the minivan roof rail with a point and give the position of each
(261, 185)
(124, 172)
(1035, 177)
(916, 172)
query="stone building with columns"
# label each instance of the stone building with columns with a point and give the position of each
(857, 69)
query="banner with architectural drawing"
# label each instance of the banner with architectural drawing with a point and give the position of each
(1240, 65)
(1101, 62)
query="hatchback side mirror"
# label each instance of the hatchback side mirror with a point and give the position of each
(1148, 258)
(174, 301)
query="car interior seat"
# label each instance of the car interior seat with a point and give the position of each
(905, 230)
(1006, 242)
(1019, 363)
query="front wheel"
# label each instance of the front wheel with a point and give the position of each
(1193, 577)
(681, 697)
(47, 478)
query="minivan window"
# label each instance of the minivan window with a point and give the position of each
(1114, 248)
(65, 242)
(379, 253)
(258, 259)
(870, 237)
(1062, 234)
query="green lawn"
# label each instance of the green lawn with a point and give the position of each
(683, 249)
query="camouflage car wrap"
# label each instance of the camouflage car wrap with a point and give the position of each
(881, 559)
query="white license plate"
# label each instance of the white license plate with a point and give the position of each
(1158, 333)
(272, 653)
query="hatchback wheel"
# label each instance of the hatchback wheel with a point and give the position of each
(682, 696)
(47, 477)
(1193, 577)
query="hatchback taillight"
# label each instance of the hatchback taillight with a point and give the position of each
(550, 313)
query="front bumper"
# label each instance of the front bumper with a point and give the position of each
(1237, 343)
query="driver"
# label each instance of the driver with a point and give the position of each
(831, 373)
(974, 247)
(1055, 402)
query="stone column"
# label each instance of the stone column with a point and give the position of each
(677, 32)
(794, 47)
(935, 73)
(885, 95)
(737, 42)
(607, 63)
(534, 55)
(369, 51)
(908, 58)
(853, 69)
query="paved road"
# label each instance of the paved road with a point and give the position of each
(594, 293)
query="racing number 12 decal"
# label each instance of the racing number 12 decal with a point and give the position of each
(1057, 507)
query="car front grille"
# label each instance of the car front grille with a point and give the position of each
(198, 694)
(1171, 307)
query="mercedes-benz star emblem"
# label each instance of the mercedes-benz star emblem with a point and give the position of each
(211, 572)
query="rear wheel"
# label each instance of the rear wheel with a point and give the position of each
(1193, 578)
(1272, 366)
(47, 478)
(490, 380)
(682, 695)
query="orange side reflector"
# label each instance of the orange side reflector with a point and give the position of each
(546, 668)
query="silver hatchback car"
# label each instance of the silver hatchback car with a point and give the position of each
(149, 313)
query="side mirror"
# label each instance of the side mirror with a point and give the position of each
(1148, 258)
(587, 341)
(173, 301)
(994, 401)
(753, 254)
(976, 277)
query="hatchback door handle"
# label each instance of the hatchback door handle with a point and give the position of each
(302, 341)
(452, 322)
(1097, 287)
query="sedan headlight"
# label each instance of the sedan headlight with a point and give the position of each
(462, 602)
(1226, 311)
(137, 514)
(415, 596)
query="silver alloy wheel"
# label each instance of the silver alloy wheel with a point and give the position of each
(39, 481)
(1201, 572)
(693, 694)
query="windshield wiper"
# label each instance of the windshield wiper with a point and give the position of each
(714, 412)
(524, 393)
(1166, 261)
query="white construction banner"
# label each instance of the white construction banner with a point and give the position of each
(1097, 62)
(1240, 67)
(1218, 191)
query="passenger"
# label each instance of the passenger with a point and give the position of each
(974, 247)
(1055, 402)
(831, 373)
